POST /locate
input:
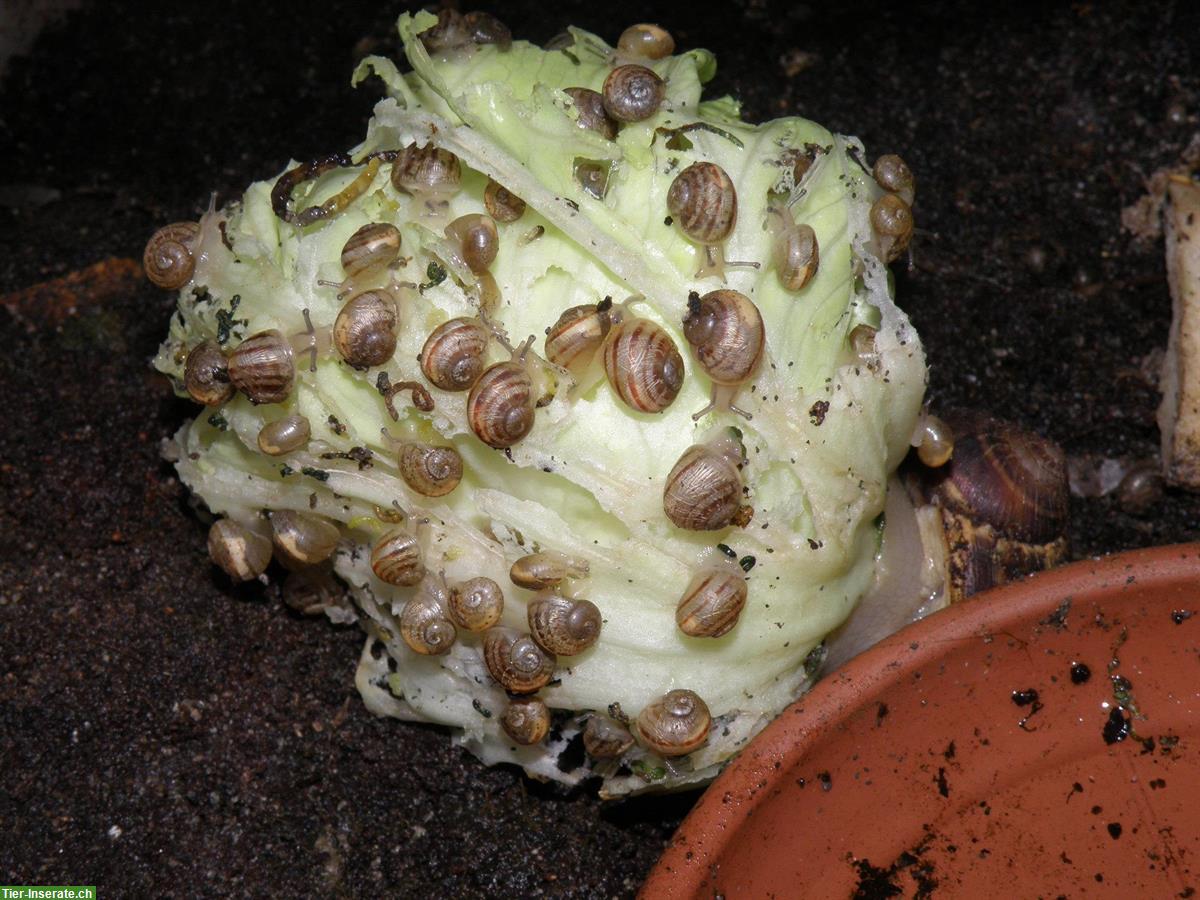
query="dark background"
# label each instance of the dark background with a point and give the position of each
(163, 733)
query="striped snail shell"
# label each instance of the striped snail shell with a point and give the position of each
(501, 204)
(476, 604)
(429, 470)
(573, 340)
(396, 558)
(605, 739)
(704, 489)
(632, 93)
(590, 106)
(168, 259)
(893, 174)
(675, 724)
(794, 251)
(263, 367)
(364, 332)
(712, 602)
(425, 627)
(727, 335)
(427, 169)
(892, 222)
(241, 553)
(477, 240)
(526, 721)
(284, 435)
(562, 626)
(703, 201)
(452, 358)
(537, 571)
(302, 539)
(371, 249)
(206, 374)
(516, 661)
(643, 365)
(646, 40)
(500, 407)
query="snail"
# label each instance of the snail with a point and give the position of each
(430, 471)
(892, 223)
(364, 332)
(424, 625)
(862, 343)
(526, 721)
(605, 739)
(243, 554)
(312, 591)
(703, 491)
(712, 602)
(284, 435)
(794, 249)
(366, 255)
(727, 335)
(537, 571)
(893, 174)
(206, 374)
(396, 558)
(452, 358)
(675, 724)
(643, 364)
(632, 93)
(515, 661)
(474, 240)
(647, 41)
(455, 31)
(933, 439)
(563, 626)
(1141, 487)
(703, 202)
(573, 340)
(263, 367)
(501, 204)
(476, 604)
(302, 539)
(589, 105)
(429, 173)
(500, 407)
(169, 260)
(592, 175)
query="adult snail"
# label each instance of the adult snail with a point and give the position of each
(727, 335)
(703, 490)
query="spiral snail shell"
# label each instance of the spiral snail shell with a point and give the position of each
(646, 40)
(429, 470)
(605, 739)
(476, 240)
(675, 724)
(704, 489)
(592, 115)
(500, 407)
(426, 170)
(934, 440)
(365, 329)
(562, 626)
(643, 365)
(241, 553)
(548, 568)
(501, 204)
(206, 374)
(516, 662)
(727, 335)
(302, 539)
(370, 250)
(425, 627)
(703, 201)
(573, 340)
(794, 251)
(476, 604)
(168, 259)
(284, 435)
(396, 558)
(452, 358)
(892, 222)
(632, 93)
(526, 721)
(712, 602)
(263, 367)
(893, 174)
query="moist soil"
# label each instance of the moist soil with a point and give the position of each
(165, 733)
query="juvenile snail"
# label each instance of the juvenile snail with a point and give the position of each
(424, 625)
(516, 662)
(712, 602)
(429, 173)
(703, 491)
(396, 558)
(605, 739)
(476, 604)
(647, 41)
(563, 626)
(206, 374)
(302, 539)
(546, 569)
(454, 31)
(500, 407)
(475, 240)
(241, 553)
(573, 340)
(643, 365)
(862, 342)
(675, 724)
(284, 435)
(589, 105)
(263, 367)
(370, 251)
(429, 470)
(632, 93)
(703, 203)
(727, 335)
(892, 223)
(893, 174)
(794, 249)
(453, 355)
(169, 259)
(526, 721)
(312, 591)
(501, 204)
(933, 439)
(364, 332)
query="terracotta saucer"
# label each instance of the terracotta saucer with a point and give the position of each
(1040, 740)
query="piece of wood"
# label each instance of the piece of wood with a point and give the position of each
(1179, 411)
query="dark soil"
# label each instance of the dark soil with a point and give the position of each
(164, 734)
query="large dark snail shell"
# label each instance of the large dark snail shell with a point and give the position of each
(675, 724)
(206, 374)
(643, 365)
(590, 106)
(632, 93)
(703, 202)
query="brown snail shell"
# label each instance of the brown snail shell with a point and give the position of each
(703, 202)
(515, 660)
(862, 342)
(500, 407)
(893, 174)
(396, 558)
(704, 490)
(364, 332)
(573, 340)
(263, 367)
(727, 335)
(284, 435)
(448, 33)
(371, 249)
(562, 626)
(675, 724)
(476, 604)
(429, 470)
(643, 365)
(537, 571)
(526, 721)
(477, 240)
(649, 41)
(892, 222)
(206, 374)
(168, 259)
(592, 115)
(312, 591)
(632, 93)
(241, 553)
(712, 602)
(427, 169)
(425, 627)
(501, 204)
(796, 256)
(936, 441)
(302, 539)
(452, 357)
(605, 739)
(484, 28)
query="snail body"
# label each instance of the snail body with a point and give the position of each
(726, 332)
(169, 258)
(396, 558)
(476, 604)
(675, 724)
(453, 356)
(263, 367)
(284, 435)
(563, 626)
(643, 365)
(364, 332)
(206, 374)
(429, 470)
(573, 340)
(703, 490)
(712, 603)
(526, 721)
(547, 569)
(302, 539)
(516, 662)
(632, 93)
(241, 553)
